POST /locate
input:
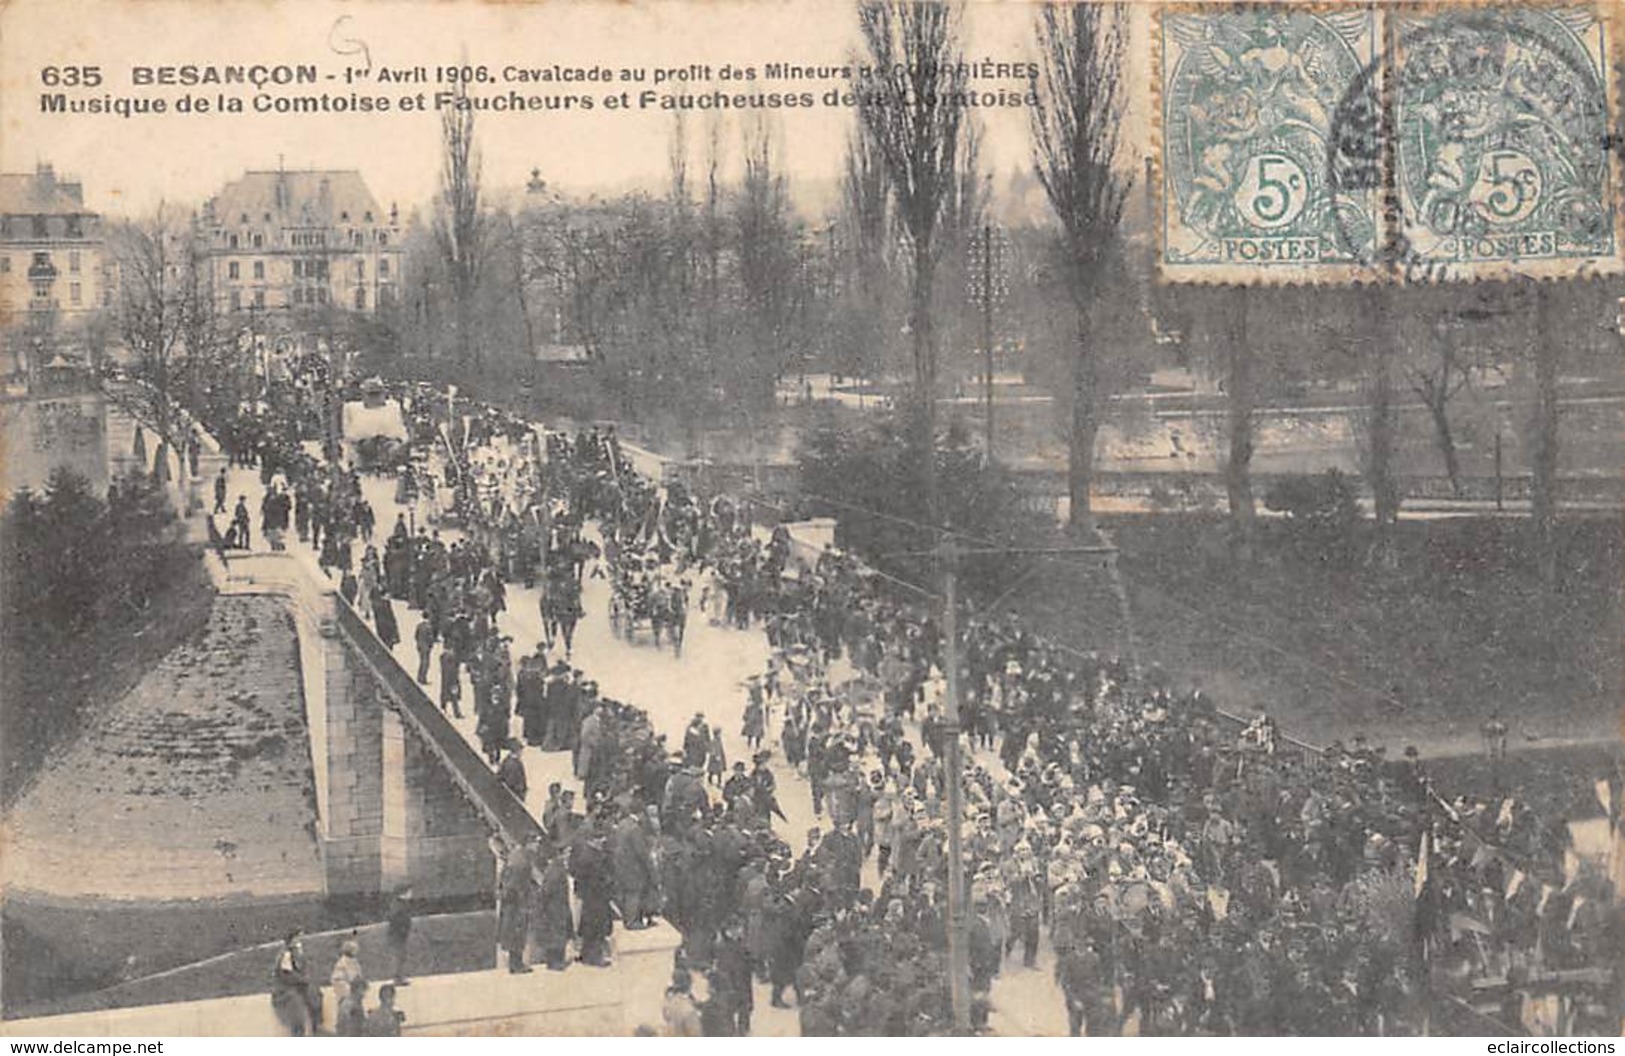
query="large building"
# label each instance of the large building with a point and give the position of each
(288, 241)
(52, 253)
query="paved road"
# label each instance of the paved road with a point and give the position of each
(709, 677)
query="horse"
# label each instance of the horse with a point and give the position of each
(561, 610)
(668, 610)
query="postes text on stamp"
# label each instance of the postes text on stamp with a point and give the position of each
(1501, 158)
(1248, 99)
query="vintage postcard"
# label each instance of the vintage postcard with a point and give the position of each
(890, 518)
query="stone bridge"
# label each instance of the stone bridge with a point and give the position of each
(401, 797)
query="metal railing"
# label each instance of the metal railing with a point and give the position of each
(490, 796)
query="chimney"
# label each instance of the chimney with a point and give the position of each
(45, 174)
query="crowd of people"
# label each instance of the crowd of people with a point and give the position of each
(1190, 875)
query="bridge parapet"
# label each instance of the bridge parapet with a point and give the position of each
(401, 796)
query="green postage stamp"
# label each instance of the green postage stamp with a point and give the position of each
(1313, 144)
(1501, 141)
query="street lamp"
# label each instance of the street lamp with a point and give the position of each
(988, 282)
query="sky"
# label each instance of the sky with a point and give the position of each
(129, 165)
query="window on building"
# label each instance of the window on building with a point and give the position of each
(259, 240)
(360, 298)
(73, 261)
(383, 268)
(355, 238)
(360, 268)
(298, 269)
(386, 295)
(383, 238)
(242, 218)
(107, 297)
(76, 228)
(232, 270)
(321, 295)
(236, 300)
(232, 241)
(42, 290)
(259, 298)
(74, 293)
(41, 227)
(259, 269)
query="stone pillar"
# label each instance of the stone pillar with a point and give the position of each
(447, 840)
(393, 844)
(355, 767)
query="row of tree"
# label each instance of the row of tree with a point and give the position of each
(695, 303)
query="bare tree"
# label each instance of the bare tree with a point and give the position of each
(1546, 351)
(1240, 399)
(460, 225)
(1439, 377)
(910, 110)
(865, 222)
(766, 255)
(1380, 419)
(1076, 132)
(523, 273)
(166, 318)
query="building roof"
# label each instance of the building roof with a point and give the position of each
(39, 192)
(313, 197)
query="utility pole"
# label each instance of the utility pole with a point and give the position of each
(954, 774)
(987, 329)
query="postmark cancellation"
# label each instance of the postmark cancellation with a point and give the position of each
(1306, 144)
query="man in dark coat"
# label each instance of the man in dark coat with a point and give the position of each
(511, 772)
(635, 879)
(591, 869)
(696, 742)
(552, 920)
(786, 924)
(765, 798)
(451, 685)
(513, 907)
(424, 637)
(734, 976)
(558, 709)
(985, 957)
(383, 620)
(738, 786)
(1081, 974)
(530, 688)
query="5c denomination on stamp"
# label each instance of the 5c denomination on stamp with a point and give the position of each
(1248, 96)
(1501, 158)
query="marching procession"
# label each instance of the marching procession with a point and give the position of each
(1178, 871)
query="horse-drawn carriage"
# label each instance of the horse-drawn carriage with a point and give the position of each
(641, 597)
